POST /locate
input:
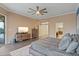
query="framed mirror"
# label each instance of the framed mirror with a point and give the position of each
(59, 30)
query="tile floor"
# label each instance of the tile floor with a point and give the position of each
(5, 49)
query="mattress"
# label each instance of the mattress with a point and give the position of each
(47, 47)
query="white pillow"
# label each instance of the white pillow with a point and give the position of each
(64, 43)
(77, 50)
(72, 47)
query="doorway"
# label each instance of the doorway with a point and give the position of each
(43, 29)
(2, 29)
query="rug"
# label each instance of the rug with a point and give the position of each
(24, 51)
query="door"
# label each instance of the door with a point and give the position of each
(2, 29)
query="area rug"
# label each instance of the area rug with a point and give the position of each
(24, 51)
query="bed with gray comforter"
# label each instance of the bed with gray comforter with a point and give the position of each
(47, 47)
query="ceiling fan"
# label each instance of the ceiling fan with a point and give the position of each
(38, 11)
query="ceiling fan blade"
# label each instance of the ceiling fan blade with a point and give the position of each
(41, 11)
(37, 8)
(32, 9)
(44, 11)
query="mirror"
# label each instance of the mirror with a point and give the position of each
(59, 30)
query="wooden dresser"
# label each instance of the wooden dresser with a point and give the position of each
(22, 36)
(35, 33)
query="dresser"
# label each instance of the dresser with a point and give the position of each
(22, 36)
(35, 33)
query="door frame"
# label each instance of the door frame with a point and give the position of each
(5, 25)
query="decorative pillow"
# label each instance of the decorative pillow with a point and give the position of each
(72, 47)
(64, 43)
(77, 37)
(77, 50)
(74, 37)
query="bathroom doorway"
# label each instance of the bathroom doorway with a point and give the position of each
(43, 29)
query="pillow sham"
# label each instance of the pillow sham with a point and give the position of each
(74, 37)
(77, 50)
(72, 47)
(64, 43)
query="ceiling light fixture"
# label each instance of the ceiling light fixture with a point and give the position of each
(38, 11)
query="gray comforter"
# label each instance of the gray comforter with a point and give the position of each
(47, 47)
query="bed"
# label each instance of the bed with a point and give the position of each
(47, 47)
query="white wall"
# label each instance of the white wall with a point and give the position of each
(68, 20)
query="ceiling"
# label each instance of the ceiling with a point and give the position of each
(53, 9)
